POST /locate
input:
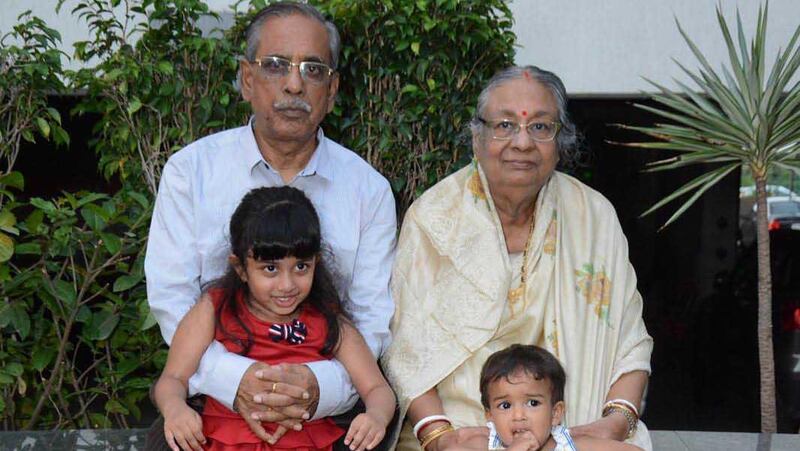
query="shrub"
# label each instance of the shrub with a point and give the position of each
(411, 74)
(79, 349)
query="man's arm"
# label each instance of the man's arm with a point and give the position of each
(172, 269)
(370, 301)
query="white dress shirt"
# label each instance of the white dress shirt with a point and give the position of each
(201, 186)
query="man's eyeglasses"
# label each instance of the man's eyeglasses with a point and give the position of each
(540, 131)
(277, 67)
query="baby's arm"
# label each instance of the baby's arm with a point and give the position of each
(367, 429)
(182, 425)
(588, 443)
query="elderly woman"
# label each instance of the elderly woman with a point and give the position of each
(507, 250)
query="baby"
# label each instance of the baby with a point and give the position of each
(522, 391)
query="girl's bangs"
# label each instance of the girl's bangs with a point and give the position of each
(285, 231)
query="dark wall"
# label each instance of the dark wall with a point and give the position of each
(705, 370)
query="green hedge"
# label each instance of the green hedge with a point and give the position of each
(79, 346)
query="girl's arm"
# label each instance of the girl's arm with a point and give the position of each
(182, 425)
(367, 429)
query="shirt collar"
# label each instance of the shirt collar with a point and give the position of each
(319, 164)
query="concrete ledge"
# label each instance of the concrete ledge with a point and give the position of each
(133, 440)
(723, 441)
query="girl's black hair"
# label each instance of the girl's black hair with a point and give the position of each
(270, 224)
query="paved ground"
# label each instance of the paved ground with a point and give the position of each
(133, 440)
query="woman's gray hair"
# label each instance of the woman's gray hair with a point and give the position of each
(568, 140)
(286, 9)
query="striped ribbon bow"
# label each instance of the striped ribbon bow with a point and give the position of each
(294, 333)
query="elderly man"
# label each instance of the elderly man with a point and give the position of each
(289, 77)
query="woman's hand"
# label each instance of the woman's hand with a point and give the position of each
(613, 427)
(472, 438)
(183, 428)
(366, 431)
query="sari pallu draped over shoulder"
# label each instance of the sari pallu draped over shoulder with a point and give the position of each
(452, 276)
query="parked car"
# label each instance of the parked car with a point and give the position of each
(783, 212)
(772, 190)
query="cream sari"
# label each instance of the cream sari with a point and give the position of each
(450, 284)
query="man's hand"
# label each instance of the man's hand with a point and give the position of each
(285, 394)
(612, 427)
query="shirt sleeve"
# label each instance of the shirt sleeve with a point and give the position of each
(369, 298)
(172, 270)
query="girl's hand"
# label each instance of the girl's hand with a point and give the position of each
(366, 431)
(525, 442)
(183, 428)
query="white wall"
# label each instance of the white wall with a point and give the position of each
(598, 47)
(606, 46)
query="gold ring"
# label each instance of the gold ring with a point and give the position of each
(274, 386)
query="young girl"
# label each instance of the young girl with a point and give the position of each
(277, 303)
(522, 390)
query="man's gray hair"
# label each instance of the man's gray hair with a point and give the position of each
(286, 9)
(567, 140)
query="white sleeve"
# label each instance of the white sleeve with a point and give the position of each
(369, 299)
(172, 271)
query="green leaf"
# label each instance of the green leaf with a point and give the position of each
(42, 357)
(44, 205)
(415, 48)
(84, 314)
(13, 179)
(6, 247)
(126, 282)
(28, 249)
(28, 136)
(8, 221)
(93, 219)
(165, 67)
(65, 292)
(114, 406)
(149, 321)
(54, 114)
(134, 106)
(112, 242)
(44, 127)
(20, 320)
(13, 368)
(139, 198)
(5, 379)
(102, 324)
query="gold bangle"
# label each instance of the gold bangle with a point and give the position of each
(630, 416)
(434, 434)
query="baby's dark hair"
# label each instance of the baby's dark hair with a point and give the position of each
(270, 224)
(533, 360)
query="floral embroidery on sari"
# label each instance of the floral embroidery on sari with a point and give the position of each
(595, 287)
(475, 185)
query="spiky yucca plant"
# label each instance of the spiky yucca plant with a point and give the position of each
(748, 117)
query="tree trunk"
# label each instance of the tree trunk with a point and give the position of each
(766, 358)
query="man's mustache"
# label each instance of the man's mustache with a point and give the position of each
(292, 104)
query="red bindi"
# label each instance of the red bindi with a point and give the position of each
(524, 113)
(527, 75)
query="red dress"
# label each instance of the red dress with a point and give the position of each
(227, 430)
